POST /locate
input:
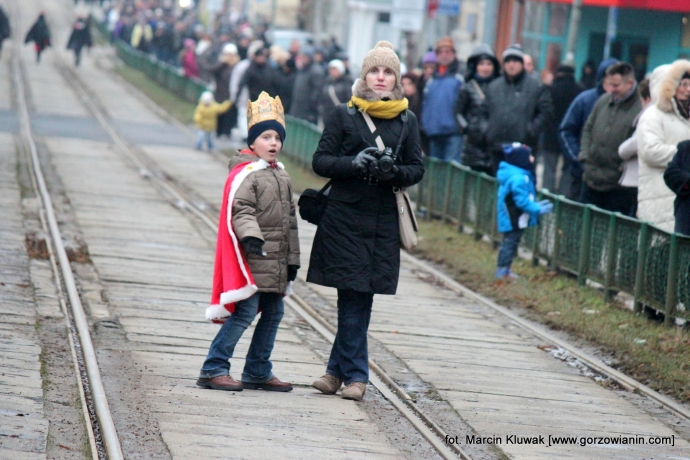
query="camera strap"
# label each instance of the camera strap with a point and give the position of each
(379, 142)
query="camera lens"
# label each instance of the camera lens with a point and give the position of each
(386, 164)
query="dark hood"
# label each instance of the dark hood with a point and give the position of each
(477, 53)
(602, 70)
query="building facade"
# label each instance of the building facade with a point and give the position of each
(644, 33)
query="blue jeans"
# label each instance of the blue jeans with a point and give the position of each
(446, 148)
(204, 136)
(257, 366)
(349, 360)
(509, 248)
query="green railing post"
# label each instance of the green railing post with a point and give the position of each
(477, 201)
(583, 260)
(535, 243)
(557, 209)
(446, 194)
(611, 241)
(642, 248)
(430, 190)
(495, 240)
(461, 207)
(672, 282)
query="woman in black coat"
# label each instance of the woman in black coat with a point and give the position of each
(483, 68)
(357, 245)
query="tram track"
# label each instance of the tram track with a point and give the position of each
(100, 427)
(207, 214)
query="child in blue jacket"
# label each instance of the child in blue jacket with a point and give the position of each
(517, 208)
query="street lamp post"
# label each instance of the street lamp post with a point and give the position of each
(575, 14)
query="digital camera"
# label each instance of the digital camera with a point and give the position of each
(386, 159)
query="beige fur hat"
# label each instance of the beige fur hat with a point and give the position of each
(381, 55)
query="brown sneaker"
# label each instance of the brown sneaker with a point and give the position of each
(354, 391)
(272, 385)
(222, 382)
(327, 384)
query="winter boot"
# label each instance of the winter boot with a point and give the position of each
(354, 391)
(327, 384)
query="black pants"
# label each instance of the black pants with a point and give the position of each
(621, 199)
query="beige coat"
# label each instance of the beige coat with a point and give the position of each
(263, 208)
(659, 131)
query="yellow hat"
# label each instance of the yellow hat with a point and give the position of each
(265, 108)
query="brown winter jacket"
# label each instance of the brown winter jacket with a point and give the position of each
(263, 208)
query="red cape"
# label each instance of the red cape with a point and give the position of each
(232, 278)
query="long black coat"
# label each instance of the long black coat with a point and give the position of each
(563, 91)
(39, 33)
(80, 36)
(677, 178)
(4, 26)
(357, 244)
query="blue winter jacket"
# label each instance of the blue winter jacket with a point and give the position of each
(516, 203)
(570, 131)
(438, 103)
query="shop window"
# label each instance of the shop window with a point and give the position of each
(553, 56)
(685, 36)
(532, 46)
(535, 13)
(558, 20)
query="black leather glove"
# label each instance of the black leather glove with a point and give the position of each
(253, 245)
(292, 272)
(377, 174)
(364, 159)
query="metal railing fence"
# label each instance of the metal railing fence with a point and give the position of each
(621, 253)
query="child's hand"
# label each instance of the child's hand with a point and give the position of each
(545, 207)
(253, 245)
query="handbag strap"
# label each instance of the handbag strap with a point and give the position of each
(325, 187)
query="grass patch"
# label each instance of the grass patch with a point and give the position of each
(179, 108)
(662, 361)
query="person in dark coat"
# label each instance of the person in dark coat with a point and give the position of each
(357, 244)
(516, 106)
(337, 90)
(285, 79)
(80, 37)
(309, 83)
(677, 178)
(563, 91)
(40, 35)
(409, 82)
(259, 76)
(588, 80)
(4, 27)
(482, 69)
(570, 131)
(222, 71)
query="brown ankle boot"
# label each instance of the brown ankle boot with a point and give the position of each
(222, 382)
(327, 384)
(354, 391)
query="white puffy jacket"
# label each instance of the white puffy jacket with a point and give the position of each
(659, 131)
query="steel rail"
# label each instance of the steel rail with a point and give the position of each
(63, 308)
(590, 361)
(109, 434)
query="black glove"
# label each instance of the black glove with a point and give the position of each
(253, 245)
(363, 159)
(292, 272)
(377, 174)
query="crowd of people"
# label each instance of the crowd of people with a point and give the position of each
(599, 139)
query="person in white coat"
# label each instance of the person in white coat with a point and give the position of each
(659, 131)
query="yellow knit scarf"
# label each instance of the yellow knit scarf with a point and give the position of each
(379, 109)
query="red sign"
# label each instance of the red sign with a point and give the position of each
(432, 7)
(676, 6)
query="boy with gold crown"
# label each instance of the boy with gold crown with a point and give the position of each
(257, 254)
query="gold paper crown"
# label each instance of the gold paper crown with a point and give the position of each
(265, 108)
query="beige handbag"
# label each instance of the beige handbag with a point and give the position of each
(406, 218)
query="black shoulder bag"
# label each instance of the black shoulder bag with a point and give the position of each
(312, 203)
